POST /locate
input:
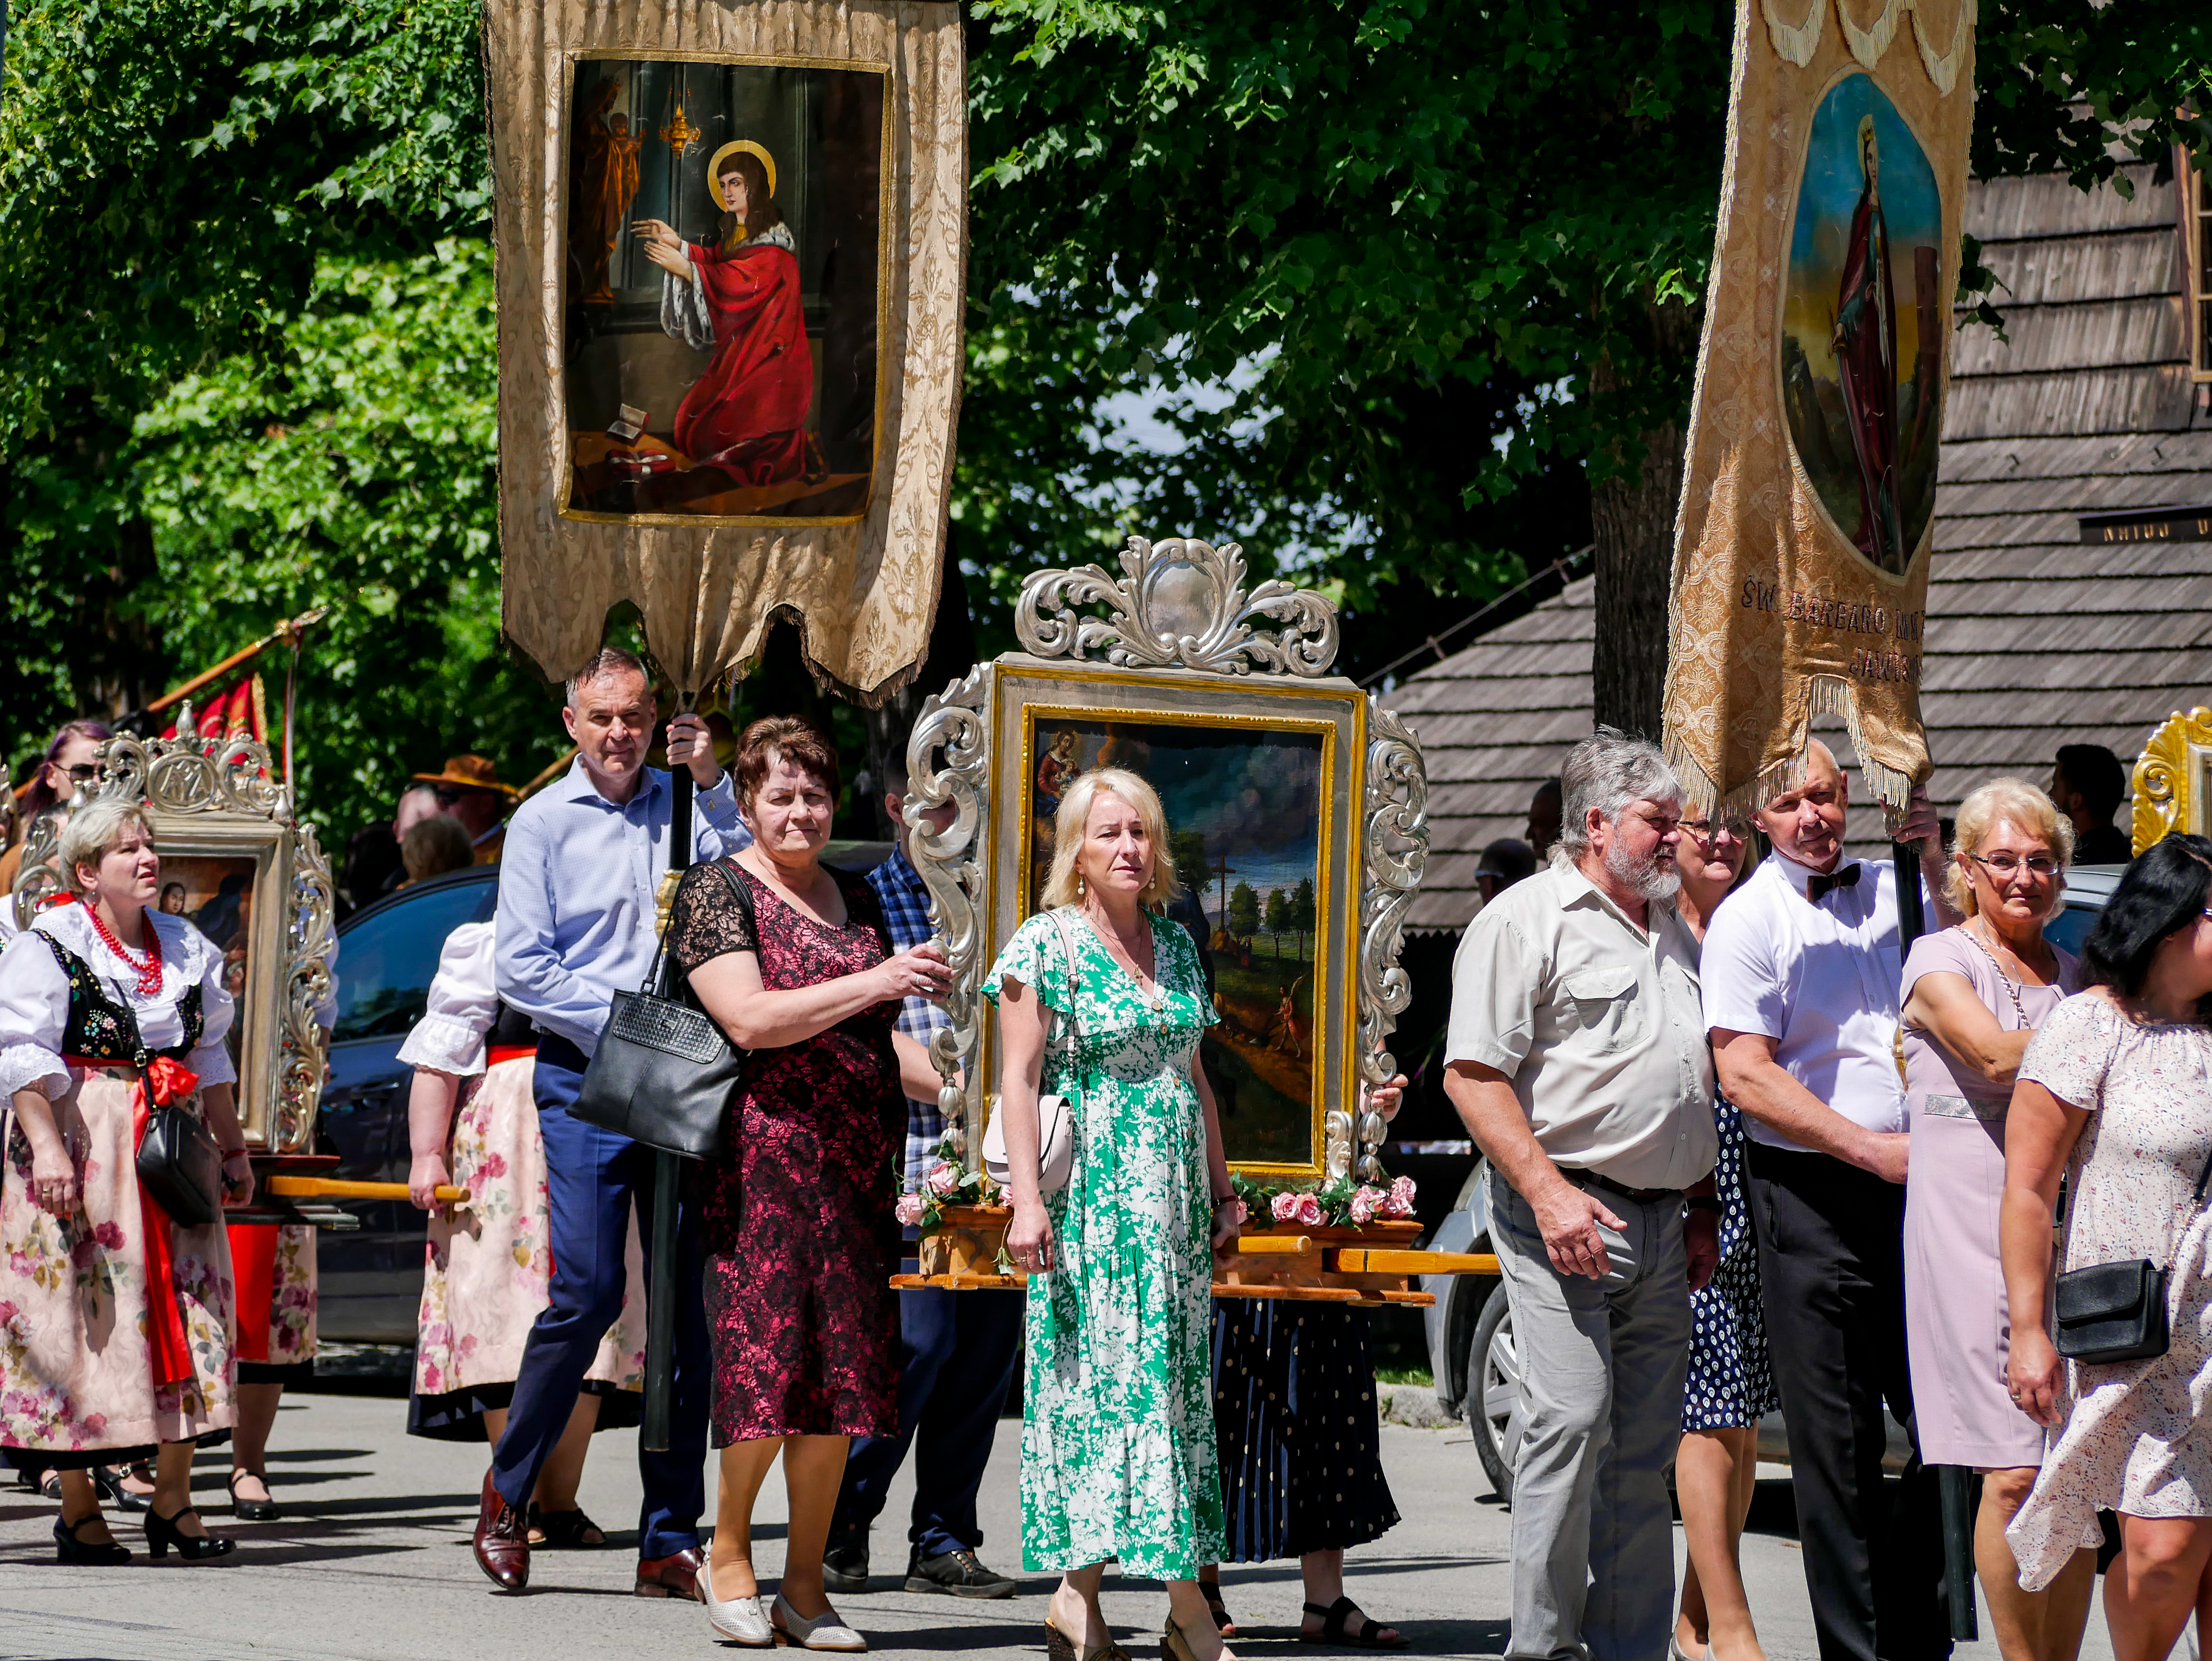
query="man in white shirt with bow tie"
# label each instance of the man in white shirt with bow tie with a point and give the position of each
(1802, 970)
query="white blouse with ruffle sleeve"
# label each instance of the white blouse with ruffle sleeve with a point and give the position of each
(34, 998)
(464, 1002)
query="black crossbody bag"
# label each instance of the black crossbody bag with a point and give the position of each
(2117, 1312)
(664, 1071)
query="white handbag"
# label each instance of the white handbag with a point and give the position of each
(1056, 1115)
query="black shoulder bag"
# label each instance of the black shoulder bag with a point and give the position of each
(2117, 1312)
(664, 1071)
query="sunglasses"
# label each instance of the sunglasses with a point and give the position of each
(83, 773)
(447, 794)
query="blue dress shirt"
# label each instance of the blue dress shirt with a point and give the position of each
(576, 892)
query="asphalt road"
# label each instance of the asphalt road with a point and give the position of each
(373, 1561)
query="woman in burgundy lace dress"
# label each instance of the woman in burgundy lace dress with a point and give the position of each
(801, 1236)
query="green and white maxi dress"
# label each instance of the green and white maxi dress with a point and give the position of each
(1118, 1456)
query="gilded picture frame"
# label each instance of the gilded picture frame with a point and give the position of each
(1295, 782)
(235, 862)
(2173, 779)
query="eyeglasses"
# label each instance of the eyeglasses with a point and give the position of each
(1706, 830)
(447, 794)
(83, 773)
(2007, 865)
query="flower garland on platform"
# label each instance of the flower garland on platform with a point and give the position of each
(1339, 1203)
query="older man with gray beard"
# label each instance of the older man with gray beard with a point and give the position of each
(1578, 1058)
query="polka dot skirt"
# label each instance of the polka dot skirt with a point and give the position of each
(1298, 1425)
(1731, 1382)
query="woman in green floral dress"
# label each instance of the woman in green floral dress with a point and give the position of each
(1117, 1434)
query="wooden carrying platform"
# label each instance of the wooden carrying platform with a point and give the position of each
(1371, 1265)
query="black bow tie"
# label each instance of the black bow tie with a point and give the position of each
(1846, 878)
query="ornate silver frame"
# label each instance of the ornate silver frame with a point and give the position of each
(1180, 606)
(221, 797)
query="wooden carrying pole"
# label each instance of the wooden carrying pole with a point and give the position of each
(338, 1187)
(1953, 1483)
(666, 1284)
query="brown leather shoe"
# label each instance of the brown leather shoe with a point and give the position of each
(503, 1540)
(670, 1577)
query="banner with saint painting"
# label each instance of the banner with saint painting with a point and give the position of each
(732, 241)
(1803, 541)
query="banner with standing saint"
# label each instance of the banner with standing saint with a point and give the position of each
(1803, 544)
(732, 241)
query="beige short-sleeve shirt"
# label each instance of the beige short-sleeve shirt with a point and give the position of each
(1599, 1024)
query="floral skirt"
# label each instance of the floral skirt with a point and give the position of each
(488, 1269)
(274, 1270)
(76, 1373)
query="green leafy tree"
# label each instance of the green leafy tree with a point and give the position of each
(1244, 920)
(1298, 914)
(1279, 918)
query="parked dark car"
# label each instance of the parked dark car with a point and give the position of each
(1470, 1328)
(372, 1277)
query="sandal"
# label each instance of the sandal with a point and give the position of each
(564, 1531)
(1211, 1590)
(1334, 1631)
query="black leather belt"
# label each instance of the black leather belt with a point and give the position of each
(1641, 1195)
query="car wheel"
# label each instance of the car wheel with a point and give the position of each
(1492, 1403)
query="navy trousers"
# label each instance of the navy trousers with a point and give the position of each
(957, 1358)
(592, 1177)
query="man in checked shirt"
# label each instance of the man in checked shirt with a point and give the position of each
(957, 1348)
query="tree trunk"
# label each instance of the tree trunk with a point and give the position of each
(952, 654)
(1632, 525)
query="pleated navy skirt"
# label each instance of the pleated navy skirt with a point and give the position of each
(1299, 1430)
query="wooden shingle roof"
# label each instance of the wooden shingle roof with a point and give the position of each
(2034, 640)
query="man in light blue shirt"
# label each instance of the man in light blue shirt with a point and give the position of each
(583, 866)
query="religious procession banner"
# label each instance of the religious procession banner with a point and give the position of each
(732, 246)
(1803, 544)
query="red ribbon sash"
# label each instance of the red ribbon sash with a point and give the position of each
(508, 1052)
(169, 1350)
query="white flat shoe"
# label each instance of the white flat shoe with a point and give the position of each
(826, 1632)
(740, 1620)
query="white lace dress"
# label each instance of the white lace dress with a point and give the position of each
(2137, 1438)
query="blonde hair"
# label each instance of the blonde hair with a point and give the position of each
(1061, 887)
(92, 832)
(2020, 803)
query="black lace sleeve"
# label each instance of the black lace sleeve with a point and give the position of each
(707, 921)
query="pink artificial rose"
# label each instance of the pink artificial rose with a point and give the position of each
(908, 1210)
(1400, 1202)
(1308, 1212)
(943, 1179)
(1285, 1208)
(1363, 1205)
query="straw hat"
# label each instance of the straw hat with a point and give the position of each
(468, 773)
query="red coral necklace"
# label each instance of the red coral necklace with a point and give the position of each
(149, 972)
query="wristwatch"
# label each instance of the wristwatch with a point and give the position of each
(1701, 1202)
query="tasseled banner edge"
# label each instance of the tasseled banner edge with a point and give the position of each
(1826, 694)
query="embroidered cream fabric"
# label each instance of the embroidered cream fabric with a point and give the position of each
(1776, 615)
(863, 594)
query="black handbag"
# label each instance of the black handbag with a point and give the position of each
(181, 1167)
(664, 1071)
(2117, 1312)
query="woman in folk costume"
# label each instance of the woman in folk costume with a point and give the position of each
(115, 1321)
(488, 1265)
(747, 413)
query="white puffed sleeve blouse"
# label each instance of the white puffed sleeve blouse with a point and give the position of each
(464, 1002)
(34, 998)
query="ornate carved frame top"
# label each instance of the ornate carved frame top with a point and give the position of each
(2173, 779)
(221, 796)
(1179, 604)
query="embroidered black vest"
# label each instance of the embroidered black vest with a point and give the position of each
(101, 1030)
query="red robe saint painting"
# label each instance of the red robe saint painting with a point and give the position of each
(724, 280)
(1862, 359)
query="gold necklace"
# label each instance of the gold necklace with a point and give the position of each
(1155, 996)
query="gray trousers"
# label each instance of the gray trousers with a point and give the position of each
(1601, 1365)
